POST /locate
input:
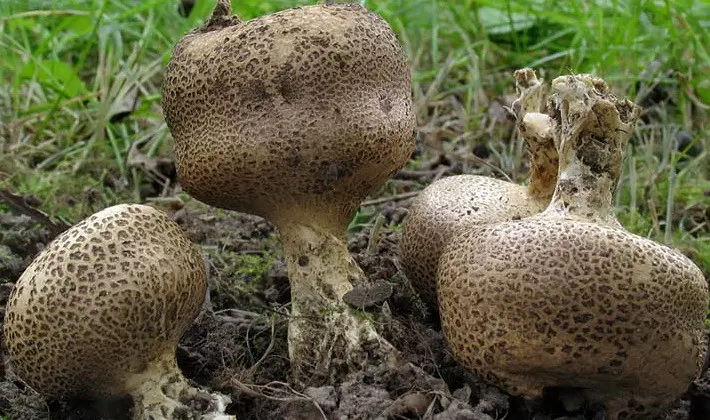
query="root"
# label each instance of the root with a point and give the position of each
(276, 391)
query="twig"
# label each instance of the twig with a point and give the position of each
(396, 197)
(268, 350)
(407, 174)
(375, 234)
(18, 203)
(691, 95)
(475, 158)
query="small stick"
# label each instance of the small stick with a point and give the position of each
(19, 204)
(375, 234)
(396, 197)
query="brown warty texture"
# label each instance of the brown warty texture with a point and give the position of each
(451, 204)
(445, 207)
(593, 305)
(568, 298)
(299, 113)
(103, 300)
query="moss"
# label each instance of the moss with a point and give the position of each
(239, 279)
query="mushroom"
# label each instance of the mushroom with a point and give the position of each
(568, 298)
(452, 203)
(296, 117)
(100, 311)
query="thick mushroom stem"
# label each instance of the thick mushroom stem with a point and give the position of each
(591, 128)
(324, 332)
(535, 129)
(160, 392)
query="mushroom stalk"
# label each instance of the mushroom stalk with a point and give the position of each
(323, 329)
(592, 133)
(535, 129)
(579, 196)
(160, 389)
(543, 162)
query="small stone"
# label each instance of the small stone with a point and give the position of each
(369, 295)
(412, 405)
(461, 411)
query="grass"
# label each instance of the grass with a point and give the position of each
(80, 93)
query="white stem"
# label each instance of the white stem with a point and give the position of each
(159, 391)
(536, 130)
(591, 128)
(326, 336)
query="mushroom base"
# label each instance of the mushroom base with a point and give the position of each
(161, 392)
(326, 337)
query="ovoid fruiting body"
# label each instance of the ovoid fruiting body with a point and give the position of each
(102, 301)
(445, 207)
(537, 303)
(299, 113)
(296, 117)
(568, 298)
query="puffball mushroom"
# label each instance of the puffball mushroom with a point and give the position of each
(100, 312)
(452, 203)
(568, 298)
(296, 117)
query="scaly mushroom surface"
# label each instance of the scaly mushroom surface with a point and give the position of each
(296, 117)
(100, 312)
(450, 204)
(568, 298)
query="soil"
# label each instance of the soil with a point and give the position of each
(238, 345)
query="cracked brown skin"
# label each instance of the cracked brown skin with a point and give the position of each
(453, 203)
(296, 117)
(103, 301)
(568, 298)
(447, 206)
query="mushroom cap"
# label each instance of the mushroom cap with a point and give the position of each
(445, 207)
(545, 303)
(102, 301)
(296, 115)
